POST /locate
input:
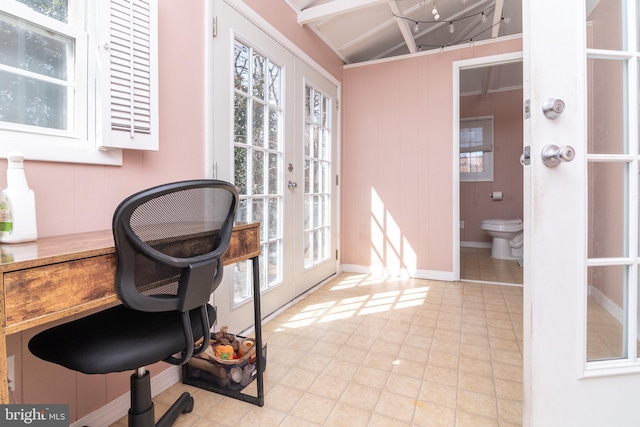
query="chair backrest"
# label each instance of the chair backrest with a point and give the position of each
(169, 243)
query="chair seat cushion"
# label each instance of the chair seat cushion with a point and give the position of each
(116, 339)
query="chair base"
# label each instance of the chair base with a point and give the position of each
(141, 413)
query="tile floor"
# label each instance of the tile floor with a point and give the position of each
(371, 351)
(605, 333)
(477, 264)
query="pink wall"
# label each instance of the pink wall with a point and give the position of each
(397, 185)
(73, 198)
(475, 203)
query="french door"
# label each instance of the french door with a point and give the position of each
(581, 365)
(275, 132)
(316, 191)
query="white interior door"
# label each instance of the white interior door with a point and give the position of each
(263, 114)
(316, 195)
(581, 365)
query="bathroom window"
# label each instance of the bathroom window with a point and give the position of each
(476, 149)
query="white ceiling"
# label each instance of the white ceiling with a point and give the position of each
(364, 30)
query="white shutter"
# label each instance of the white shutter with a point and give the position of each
(131, 56)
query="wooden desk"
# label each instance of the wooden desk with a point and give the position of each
(56, 277)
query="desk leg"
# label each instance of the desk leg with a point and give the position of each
(257, 323)
(4, 384)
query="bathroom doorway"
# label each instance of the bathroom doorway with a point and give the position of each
(489, 178)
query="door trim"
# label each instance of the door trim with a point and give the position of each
(457, 67)
(264, 25)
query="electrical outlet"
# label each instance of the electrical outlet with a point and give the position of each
(11, 374)
(461, 224)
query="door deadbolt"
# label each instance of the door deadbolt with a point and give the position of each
(552, 108)
(552, 155)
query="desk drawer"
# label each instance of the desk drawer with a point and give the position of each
(244, 244)
(61, 288)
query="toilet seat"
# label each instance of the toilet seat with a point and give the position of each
(509, 225)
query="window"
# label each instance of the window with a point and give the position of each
(476, 149)
(70, 93)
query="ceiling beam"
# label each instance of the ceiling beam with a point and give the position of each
(403, 24)
(488, 72)
(497, 18)
(472, 26)
(335, 7)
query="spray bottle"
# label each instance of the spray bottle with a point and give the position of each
(17, 204)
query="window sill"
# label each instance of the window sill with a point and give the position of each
(48, 149)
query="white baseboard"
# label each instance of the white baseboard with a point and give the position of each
(118, 408)
(607, 304)
(403, 272)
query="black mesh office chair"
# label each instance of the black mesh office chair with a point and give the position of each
(169, 243)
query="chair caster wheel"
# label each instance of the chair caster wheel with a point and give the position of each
(189, 407)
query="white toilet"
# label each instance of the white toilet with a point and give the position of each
(507, 237)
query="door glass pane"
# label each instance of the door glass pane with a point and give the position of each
(274, 128)
(317, 172)
(607, 107)
(258, 172)
(274, 175)
(259, 63)
(240, 170)
(258, 123)
(274, 213)
(241, 67)
(258, 151)
(608, 224)
(607, 312)
(240, 115)
(274, 84)
(273, 264)
(605, 27)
